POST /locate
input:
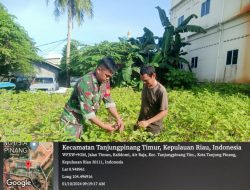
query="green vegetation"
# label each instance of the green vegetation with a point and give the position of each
(167, 54)
(122, 52)
(206, 113)
(164, 52)
(16, 48)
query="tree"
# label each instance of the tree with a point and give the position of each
(74, 46)
(171, 42)
(125, 55)
(170, 55)
(147, 45)
(167, 54)
(76, 9)
(17, 50)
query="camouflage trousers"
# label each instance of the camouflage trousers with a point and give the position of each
(72, 123)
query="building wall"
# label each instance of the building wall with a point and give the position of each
(175, 2)
(43, 69)
(220, 11)
(205, 48)
(228, 28)
(235, 35)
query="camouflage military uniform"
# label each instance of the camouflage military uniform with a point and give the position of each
(84, 102)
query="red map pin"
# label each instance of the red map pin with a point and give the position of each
(28, 164)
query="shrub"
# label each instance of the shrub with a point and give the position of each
(179, 78)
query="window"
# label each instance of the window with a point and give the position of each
(205, 8)
(194, 62)
(180, 66)
(232, 57)
(44, 80)
(180, 20)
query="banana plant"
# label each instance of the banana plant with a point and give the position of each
(147, 45)
(171, 43)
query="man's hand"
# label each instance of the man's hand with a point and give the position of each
(143, 124)
(106, 126)
(109, 127)
(120, 124)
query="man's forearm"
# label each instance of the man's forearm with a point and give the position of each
(98, 122)
(114, 113)
(158, 116)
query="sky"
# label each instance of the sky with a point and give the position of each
(112, 19)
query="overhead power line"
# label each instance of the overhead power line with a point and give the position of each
(52, 42)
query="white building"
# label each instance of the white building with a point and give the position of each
(223, 53)
(53, 58)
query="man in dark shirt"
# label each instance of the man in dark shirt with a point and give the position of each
(154, 105)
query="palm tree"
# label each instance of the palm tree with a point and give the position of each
(76, 9)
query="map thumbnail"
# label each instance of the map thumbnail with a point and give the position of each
(28, 166)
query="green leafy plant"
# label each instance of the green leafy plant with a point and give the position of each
(179, 78)
(207, 112)
(171, 42)
(167, 54)
(147, 46)
(125, 55)
(17, 50)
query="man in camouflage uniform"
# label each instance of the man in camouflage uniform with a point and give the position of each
(86, 98)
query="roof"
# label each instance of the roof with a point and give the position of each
(53, 65)
(49, 63)
(53, 60)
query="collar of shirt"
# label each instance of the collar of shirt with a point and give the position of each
(95, 81)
